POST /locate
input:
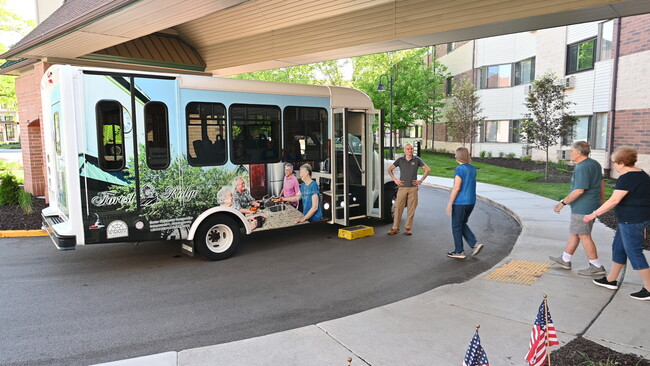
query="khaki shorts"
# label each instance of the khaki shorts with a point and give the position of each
(579, 227)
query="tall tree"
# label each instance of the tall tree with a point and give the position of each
(414, 85)
(549, 119)
(321, 73)
(10, 24)
(464, 113)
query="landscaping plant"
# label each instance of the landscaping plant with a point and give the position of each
(9, 189)
(548, 119)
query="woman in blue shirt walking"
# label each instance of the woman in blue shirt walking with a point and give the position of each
(461, 204)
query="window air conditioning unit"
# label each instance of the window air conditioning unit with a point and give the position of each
(564, 155)
(527, 89)
(570, 82)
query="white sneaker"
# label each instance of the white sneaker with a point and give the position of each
(477, 248)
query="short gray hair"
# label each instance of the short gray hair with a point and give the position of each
(223, 193)
(307, 167)
(582, 147)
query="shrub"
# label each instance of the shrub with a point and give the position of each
(502, 154)
(9, 190)
(483, 154)
(25, 201)
(526, 158)
(489, 154)
(510, 156)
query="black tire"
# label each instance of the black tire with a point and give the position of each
(217, 238)
(390, 196)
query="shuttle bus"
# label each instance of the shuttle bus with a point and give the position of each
(140, 156)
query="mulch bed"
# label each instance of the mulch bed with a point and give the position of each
(581, 351)
(13, 217)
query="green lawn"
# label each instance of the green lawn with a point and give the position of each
(443, 166)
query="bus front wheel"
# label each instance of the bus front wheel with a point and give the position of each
(217, 238)
(390, 196)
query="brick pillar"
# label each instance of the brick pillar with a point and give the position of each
(28, 93)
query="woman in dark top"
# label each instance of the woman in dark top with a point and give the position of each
(631, 198)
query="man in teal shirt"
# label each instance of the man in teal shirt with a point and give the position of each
(587, 194)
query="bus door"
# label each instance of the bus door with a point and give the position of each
(349, 191)
(374, 162)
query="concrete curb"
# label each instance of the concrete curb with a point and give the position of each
(21, 233)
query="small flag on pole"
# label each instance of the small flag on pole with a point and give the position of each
(542, 336)
(475, 355)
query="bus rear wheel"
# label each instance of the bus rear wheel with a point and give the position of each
(217, 238)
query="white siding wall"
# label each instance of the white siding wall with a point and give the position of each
(495, 50)
(580, 32)
(525, 45)
(551, 51)
(602, 85)
(497, 103)
(460, 60)
(518, 98)
(583, 93)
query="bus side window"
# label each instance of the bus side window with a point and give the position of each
(255, 134)
(157, 135)
(206, 133)
(110, 135)
(305, 134)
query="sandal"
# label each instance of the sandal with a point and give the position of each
(408, 232)
(393, 231)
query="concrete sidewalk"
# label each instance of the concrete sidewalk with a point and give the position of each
(435, 328)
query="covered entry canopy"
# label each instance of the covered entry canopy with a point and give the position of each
(233, 36)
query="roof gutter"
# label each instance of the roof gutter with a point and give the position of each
(69, 27)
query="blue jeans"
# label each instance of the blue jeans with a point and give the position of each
(628, 244)
(459, 229)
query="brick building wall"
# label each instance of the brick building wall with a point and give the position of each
(633, 128)
(28, 93)
(635, 34)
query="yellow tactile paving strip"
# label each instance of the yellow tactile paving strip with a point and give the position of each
(21, 233)
(519, 272)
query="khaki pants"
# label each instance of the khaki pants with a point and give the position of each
(404, 195)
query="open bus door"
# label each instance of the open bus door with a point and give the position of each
(340, 210)
(373, 148)
(357, 166)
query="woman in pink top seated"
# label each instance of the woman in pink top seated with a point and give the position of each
(291, 186)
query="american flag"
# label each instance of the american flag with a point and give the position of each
(541, 330)
(475, 355)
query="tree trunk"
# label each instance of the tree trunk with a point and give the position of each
(546, 169)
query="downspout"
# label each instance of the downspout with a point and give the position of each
(612, 107)
(471, 141)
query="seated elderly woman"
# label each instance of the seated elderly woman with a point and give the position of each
(226, 198)
(631, 200)
(310, 195)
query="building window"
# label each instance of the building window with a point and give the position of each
(9, 117)
(449, 86)
(305, 134)
(206, 133)
(451, 46)
(11, 132)
(497, 131)
(110, 134)
(581, 56)
(600, 132)
(581, 129)
(515, 135)
(255, 134)
(606, 40)
(156, 123)
(495, 76)
(525, 71)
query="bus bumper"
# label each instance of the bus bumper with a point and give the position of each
(62, 242)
